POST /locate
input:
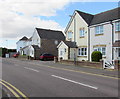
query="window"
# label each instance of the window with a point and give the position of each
(61, 53)
(101, 49)
(65, 49)
(70, 34)
(99, 29)
(82, 32)
(117, 26)
(82, 51)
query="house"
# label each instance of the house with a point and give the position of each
(77, 33)
(43, 41)
(100, 32)
(105, 34)
(21, 44)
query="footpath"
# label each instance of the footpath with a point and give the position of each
(98, 71)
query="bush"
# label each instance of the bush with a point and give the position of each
(96, 56)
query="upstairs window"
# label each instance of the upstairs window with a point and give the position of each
(70, 34)
(82, 32)
(117, 26)
(99, 29)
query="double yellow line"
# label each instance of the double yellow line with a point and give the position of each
(16, 92)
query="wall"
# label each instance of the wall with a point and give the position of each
(84, 63)
(36, 39)
(49, 46)
(100, 40)
(80, 41)
(31, 50)
(20, 44)
(62, 48)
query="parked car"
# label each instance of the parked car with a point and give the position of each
(16, 55)
(47, 57)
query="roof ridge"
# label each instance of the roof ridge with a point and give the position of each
(84, 12)
(107, 11)
(48, 29)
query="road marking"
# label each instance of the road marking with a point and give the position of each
(14, 93)
(74, 82)
(17, 90)
(31, 69)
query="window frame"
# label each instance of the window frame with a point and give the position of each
(82, 51)
(70, 34)
(117, 26)
(82, 32)
(99, 29)
(101, 50)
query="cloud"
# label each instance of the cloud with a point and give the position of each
(17, 16)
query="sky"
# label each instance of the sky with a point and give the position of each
(19, 18)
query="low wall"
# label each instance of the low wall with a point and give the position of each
(90, 64)
(117, 64)
(84, 63)
(23, 57)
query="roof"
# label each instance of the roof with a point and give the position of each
(106, 16)
(70, 44)
(50, 34)
(116, 44)
(23, 39)
(35, 46)
(87, 17)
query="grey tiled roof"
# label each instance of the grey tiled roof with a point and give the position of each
(87, 17)
(35, 46)
(70, 44)
(101, 17)
(50, 34)
(106, 16)
(24, 38)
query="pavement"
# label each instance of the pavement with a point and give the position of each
(48, 79)
(105, 72)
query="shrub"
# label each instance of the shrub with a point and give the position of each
(96, 56)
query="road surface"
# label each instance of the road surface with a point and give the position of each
(44, 80)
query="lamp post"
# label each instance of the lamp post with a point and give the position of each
(73, 17)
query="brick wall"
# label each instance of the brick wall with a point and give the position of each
(91, 64)
(84, 63)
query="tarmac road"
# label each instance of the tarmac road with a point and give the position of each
(36, 79)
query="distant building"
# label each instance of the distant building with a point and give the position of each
(42, 41)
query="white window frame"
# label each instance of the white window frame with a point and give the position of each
(82, 32)
(101, 50)
(99, 29)
(117, 26)
(82, 51)
(70, 35)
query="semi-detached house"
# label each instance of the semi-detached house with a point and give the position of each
(88, 33)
